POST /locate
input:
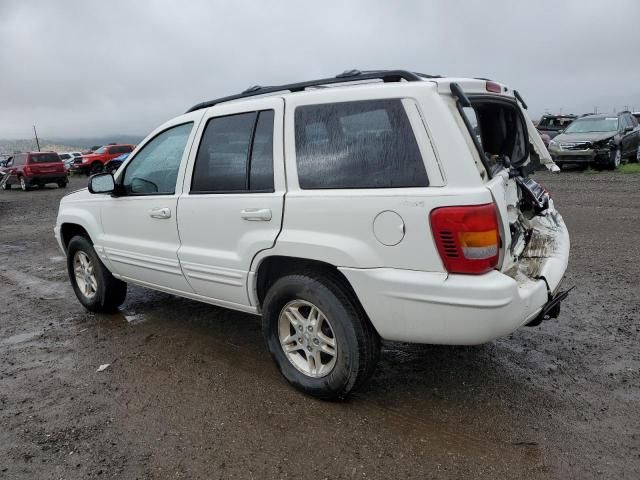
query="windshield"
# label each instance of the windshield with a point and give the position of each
(44, 158)
(597, 124)
(101, 150)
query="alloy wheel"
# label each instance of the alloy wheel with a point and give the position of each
(84, 274)
(307, 338)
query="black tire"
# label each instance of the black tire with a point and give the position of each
(357, 342)
(62, 184)
(6, 186)
(110, 292)
(615, 159)
(96, 167)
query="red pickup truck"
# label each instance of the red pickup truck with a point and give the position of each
(95, 162)
(33, 168)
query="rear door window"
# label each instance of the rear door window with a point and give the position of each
(362, 144)
(235, 154)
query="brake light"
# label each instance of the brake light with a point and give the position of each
(493, 87)
(467, 237)
(28, 170)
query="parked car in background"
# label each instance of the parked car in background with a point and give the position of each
(94, 162)
(34, 169)
(68, 157)
(637, 116)
(112, 165)
(602, 141)
(242, 204)
(551, 125)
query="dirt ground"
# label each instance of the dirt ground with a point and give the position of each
(192, 393)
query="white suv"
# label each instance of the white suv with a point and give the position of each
(372, 205)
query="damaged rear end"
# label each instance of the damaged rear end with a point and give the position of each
(534, 238)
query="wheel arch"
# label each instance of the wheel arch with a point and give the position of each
(68, 230)
(273, 267)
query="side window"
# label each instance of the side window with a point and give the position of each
(235, 154)
(154, 169)
(261, 162)
(363, 144)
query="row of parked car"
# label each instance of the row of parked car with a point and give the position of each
(597, 140)
(31, 169)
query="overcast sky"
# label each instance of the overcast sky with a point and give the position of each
(90, 68)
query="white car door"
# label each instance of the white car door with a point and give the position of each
(232, 200)
(140, 233)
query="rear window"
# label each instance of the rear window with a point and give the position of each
(64, 156)
(44, 158)
(554, 123)
(363, 144)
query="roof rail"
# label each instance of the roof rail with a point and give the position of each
(344, 77)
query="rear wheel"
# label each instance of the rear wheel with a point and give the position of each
(319, 337)
(24, 185)
(6, 186)
(92, 283)
(638, 154)
(62, 184)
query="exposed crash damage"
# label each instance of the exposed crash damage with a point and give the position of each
(536, 240)
(545, 244)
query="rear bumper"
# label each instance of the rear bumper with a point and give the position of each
(46, 178)
(432, 307)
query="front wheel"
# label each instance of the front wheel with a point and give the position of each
(616, 159)
(92, 283)
(319, 337)
(97, 167)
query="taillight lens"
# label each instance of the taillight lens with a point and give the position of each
(28, 170)
(467, 237)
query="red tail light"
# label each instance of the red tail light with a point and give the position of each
(467, 237)
(28, 170)
(493, 87)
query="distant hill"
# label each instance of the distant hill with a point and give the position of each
(64, 144)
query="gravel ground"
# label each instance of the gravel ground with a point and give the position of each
(192, 393)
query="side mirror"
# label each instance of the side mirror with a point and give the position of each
(102, 183)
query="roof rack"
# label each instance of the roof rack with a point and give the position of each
(344, 77)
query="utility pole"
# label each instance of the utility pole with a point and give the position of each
(36, 134)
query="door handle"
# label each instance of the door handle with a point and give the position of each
(256, 214)
(164, 212)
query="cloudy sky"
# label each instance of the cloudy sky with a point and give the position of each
(90, 68)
